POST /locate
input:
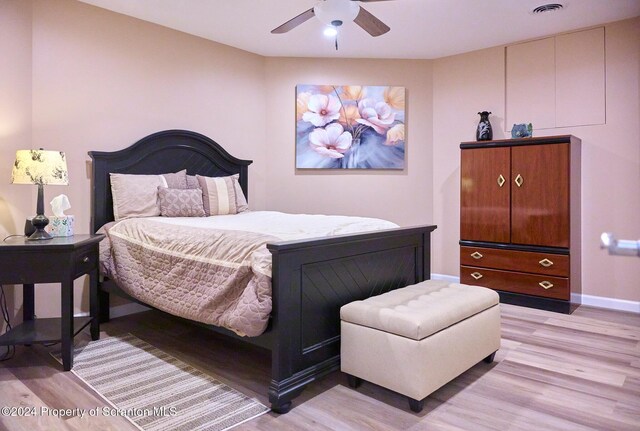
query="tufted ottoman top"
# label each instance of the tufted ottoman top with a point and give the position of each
(420, 310)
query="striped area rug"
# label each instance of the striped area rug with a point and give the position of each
(157, 392)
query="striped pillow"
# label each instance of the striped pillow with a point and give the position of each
(219, 195)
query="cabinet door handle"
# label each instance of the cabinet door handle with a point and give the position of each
(546, 262)
(476, 275)
(501, 181)
(519, 180)
(85, 259)
(476, 255)
(546, 284)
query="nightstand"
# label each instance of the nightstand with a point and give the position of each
(58, 260)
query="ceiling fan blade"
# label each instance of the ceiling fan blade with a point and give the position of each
(370, 23)
(294, 22)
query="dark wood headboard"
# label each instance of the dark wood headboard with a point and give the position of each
(160, 153)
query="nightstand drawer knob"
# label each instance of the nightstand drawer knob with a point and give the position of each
(476, 275)
(476, 255)
(85, 259)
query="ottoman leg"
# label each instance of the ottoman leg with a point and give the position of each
(354, 381)
(489, 359)
(416, 405)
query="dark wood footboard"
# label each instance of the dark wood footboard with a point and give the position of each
(313, 279)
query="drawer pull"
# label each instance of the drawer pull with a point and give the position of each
(476, 255)
(85, 259)
(519, 180)
(476, 275)
(546, 284)
(501, 181)
(546, 263)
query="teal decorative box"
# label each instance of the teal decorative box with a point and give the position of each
(61, 226)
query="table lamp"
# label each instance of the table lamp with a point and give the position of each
(40, 167)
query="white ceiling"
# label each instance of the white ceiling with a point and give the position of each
(422, 29)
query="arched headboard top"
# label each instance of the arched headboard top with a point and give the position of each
(160, 153)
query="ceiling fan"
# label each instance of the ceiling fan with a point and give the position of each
(335, 13)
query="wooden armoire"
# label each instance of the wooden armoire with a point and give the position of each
(520, 220)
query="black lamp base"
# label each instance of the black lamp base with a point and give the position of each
(39, 235)
(39, 222)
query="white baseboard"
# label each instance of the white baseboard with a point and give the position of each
(590, 300)
(611, 303)
(449, 278)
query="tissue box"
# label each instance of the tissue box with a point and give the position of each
(60, 226)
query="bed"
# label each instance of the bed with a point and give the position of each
(311, 279)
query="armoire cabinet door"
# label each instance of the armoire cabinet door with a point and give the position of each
(540, 195)
(484, 194)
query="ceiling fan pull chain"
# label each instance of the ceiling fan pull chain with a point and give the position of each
(336, 41)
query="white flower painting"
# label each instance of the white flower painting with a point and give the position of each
(350, 127)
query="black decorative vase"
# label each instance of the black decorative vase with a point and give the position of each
(484, 132)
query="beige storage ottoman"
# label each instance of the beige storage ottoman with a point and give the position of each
(416, 339)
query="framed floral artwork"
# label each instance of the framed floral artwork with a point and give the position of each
(350, 127)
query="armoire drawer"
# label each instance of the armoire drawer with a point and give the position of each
(517, 282)
(521, 261)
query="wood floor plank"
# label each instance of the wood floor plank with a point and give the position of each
(541, 358)
(597, 327)
(612, 316)
(575, 340)
(30, 411)
(578, 372)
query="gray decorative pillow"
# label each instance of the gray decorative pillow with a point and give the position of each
(137, 195)
(180, 202)
(210, 192)
(192, 182)
(177, 180)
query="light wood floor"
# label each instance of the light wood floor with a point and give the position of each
(553, 372)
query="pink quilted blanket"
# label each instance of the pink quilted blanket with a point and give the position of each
(214, 276)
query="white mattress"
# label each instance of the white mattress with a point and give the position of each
(286, 227)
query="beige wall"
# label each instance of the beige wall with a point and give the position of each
(467, 83)
(404, 197)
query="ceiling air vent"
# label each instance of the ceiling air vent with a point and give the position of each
(548, 8)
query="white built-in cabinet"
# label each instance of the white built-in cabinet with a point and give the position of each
(557, 81)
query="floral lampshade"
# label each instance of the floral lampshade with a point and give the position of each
(40, 167)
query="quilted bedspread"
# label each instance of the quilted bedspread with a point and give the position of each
(208, 269)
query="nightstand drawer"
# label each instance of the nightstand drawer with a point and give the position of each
(521, 261)
(517, 282)
(85, 261)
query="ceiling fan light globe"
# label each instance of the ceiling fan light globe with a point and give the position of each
(336, 10)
